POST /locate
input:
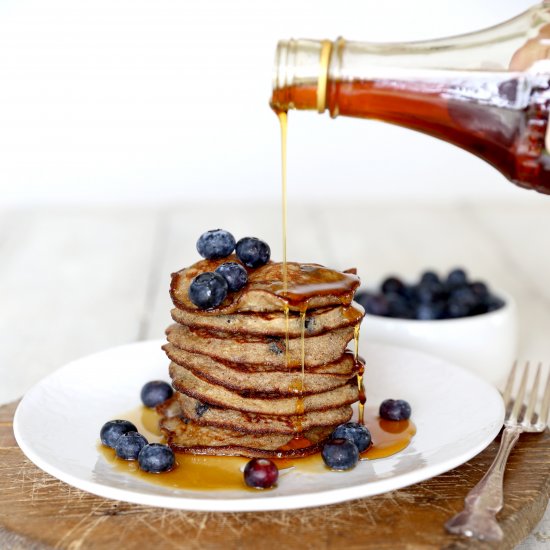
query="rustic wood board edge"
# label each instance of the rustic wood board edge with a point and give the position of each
(40, 512)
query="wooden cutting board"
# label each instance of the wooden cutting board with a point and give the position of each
(37, 511)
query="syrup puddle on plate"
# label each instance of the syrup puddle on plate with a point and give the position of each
(207, 473)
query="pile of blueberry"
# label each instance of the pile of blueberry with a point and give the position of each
(431, 298)
(208, 290)
(129, 444)
(340, 452)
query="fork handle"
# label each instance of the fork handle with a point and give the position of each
(485, 500)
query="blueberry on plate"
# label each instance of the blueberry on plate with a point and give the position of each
(260, 473)
(395, 409)
(353, 431)
(129, 445)
(155, 392)
(234, 274)
(215, 244)
(112, 430)
(253, 252)
(340, 454)
(208, 290)
(156, 458)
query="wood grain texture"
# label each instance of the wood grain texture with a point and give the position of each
(38, 511)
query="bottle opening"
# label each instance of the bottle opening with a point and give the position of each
(300, 74)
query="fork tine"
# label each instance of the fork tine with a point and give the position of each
(521, 394)
(533, 397)
(545, 402)
(509, 385)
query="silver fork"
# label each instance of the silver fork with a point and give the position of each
(485, 500)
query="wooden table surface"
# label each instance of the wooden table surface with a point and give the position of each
(75, 280)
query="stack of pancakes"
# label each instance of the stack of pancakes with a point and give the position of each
(267, 374)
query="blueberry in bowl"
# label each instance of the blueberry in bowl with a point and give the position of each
(431, 297)
(451, 315)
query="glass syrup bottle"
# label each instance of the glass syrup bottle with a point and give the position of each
(487, 91)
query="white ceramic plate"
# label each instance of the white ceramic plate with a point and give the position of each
(58, 421)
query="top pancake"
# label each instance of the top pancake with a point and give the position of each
(308, 286)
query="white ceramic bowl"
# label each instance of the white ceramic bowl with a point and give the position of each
(485, 344)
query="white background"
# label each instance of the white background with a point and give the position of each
(117, 101)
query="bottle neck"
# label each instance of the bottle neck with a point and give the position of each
(306, 69)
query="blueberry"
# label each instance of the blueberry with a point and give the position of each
(234, 274)
(215, 244)
(201, 408)
(456, 310)
(129, 445)
(355, 432)
(113, 429)
(340, 454)
(156, 458)
(429, 292)
(464, 297)
(399, 306)
(429, 312)
(260, 473)
(392, 285)
(494, 303)
(375, 304)
(253, 252)
(208, 290)
(457, 277)
(480, 290)
(429, 277)
(395, 409)
(155, 392)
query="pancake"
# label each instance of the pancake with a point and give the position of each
(250, 383)
(186, 382)
(319, 350)
(321, 286)
(252, 423)
(189, 437)
(317, 321)
(343, 366)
